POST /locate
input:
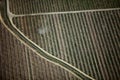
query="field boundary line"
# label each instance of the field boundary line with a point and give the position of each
(65, 12)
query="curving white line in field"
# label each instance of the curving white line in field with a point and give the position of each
(10, 15)
(43, 51)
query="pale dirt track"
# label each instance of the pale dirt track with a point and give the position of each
(88, 40)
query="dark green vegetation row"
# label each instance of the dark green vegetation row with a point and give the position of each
(38, 6)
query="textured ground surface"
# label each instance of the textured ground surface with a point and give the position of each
(35, 6)
(90, 41)
(18, 62)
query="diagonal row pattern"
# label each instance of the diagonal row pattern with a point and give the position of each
(18, 62)
(87, 40)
